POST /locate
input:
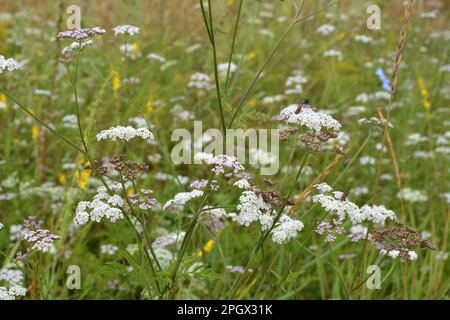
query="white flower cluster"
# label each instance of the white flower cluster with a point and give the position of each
(108, 249)
(1, 226)
(333, 53)
(412, 255)
(377, 214)
(8, 64)
(14, 280)
(307, 117)
(102, 206)
(181, 198)
(411, 195)
(220, 162)
(124, 133)
(242, 184)
(326, 29)
(336, 203)
(223, 68)
(365, 97)
(76, 46)
(157, 57)
(363, 38)
(12, 292)
(200, 81)
(252, 208)
(293, 84)
(122, 29)
(286, 229)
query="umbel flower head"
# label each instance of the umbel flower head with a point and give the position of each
(220, 162)
(103, 206)
(400, 241)
(286, 229)
(80, 34)
(124, 133)
(337, 203)
(315, 121)
(12, 284)
(12, 292)
(181, 198)
(36, 236)
(252, 208)
(76, 46)
(8, 64)
(126, 29)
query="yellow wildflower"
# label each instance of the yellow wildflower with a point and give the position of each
(251, 56)
(62, 178)
(149, 107)
(424, 93)
(3, 101)
(115, 80)
(35, 133)
(206, 248)
(83, 176)
(252, 103)
(135, 47)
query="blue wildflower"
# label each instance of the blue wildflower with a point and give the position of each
(384, 80)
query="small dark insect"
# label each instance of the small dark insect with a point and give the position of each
(304, 103)
(344, 196)
(269, 182)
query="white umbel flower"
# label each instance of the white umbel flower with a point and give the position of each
(326, 29)
(124, 133)
(411, 195)
(75, 46)
(181, 198)
(377, 214)
(252, 208)
(323, 187)
(412, 255)
(13, 277)
(242, 184)
(286, 229)
(12, 293)
(103, 206)
(307, 117)
(126, 29)
(8, 64)
(220, 162)
(223, 67)
(334, 204)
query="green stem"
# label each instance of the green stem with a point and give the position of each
(14, 99)
(232, 45)
(210, 30)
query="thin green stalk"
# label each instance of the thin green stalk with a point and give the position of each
(264, 236)
(295, 21)
(210, 30)
(14, 99)
(233, 41)
(186, 240)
